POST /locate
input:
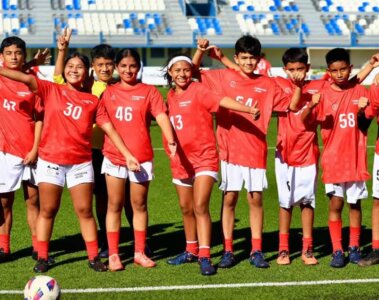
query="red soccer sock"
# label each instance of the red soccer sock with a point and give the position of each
(113, 241)
(228, 245)
(256, 245)
(4, 242)
(139, 240)
(375, 244)
(307, 244)
(34, 242)
(192, 247)
(335, 230)
(204, 251)
(284, 242)
(92, 249)
(43, 249)
(355, 234)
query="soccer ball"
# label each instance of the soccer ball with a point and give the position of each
(42, 287)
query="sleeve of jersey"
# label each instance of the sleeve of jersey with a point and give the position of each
(157, 104)
(38, 108)
(209, 99)
(58, 79)
(282, 99)
(373, 108)
(102, 114)
(212, 79)
(44, 89)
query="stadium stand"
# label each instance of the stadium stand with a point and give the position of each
(158, 23)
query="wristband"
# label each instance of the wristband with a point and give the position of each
(172, 144)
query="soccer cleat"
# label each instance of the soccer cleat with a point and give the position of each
(183, 258)
(141, 259)
(308, 258)
(371, 259)
(42, 266)
(354, 255)
(97, 265)
(50, 260)
(338, 259)
(114, 263)
(206, 267)
(283, 258)
(4, 257)
(227, 260)
(257, 259)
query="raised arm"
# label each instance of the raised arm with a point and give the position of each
(298, 79)
(202, 45)
(41, 58)
(217, 54)
(367, 68)
(62, 47)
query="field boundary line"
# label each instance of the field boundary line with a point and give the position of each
(205, 286)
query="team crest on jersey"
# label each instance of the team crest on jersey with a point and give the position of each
(23, 94)
(185, 103)
(88, 101)
(334, 106)
(137, 98)
(260, 90)
(288, 90)
(233, 84)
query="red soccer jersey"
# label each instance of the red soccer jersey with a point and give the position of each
(131, 111)
(191, 116)
(373, 109)
(18, 109)
(297, 142)
(344, 158)
(242, 140)
(67, 129)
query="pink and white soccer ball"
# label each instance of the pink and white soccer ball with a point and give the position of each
(42, 287)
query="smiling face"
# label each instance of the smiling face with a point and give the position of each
(128, 69)
(13, 57)
(339, 71)
(247, 62)
(181, 74)
(103, 68)
(75, 72)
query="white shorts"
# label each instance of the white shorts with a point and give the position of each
(58, 174)
(375, 177)
(296, 185)
(146, 173)
(189, 181)
(13, 172)
(233, 177)
(354, 191)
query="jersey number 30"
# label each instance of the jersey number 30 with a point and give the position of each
(72, 111)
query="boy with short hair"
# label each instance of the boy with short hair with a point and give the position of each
(242, 142)
(343, 160)
(21, 116)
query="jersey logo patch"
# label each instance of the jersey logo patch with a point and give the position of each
(88, 101)
(23, 94)
(312, 92)
(355, 101)
(185, 103)
(137, 98)
(260, 90)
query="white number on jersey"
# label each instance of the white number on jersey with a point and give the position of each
(124, 113)
(9, 105)
(347, 120)
(177, 122)
(249, 101)
(72, 111)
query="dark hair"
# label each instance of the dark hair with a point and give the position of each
(248, 44)
(166, 75)
(13, 40)
(293, 55)
(103, 51)
(337, 54)
(126, 53)
(83, 58)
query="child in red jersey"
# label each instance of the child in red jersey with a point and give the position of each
(131, 105)
(195, 167)
(20, 130)
(65, 153)
(343, 160)
(242, 143)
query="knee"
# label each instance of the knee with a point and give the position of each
(139, 205)
(48, 212)
(84, 212)
(115, 205)
(201, 210)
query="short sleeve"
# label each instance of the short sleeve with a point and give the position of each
(157, 105)
(281, 99)
(102, 116)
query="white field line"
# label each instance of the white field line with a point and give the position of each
(205, 286)
(269, 148)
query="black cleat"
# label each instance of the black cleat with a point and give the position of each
(371, 259)
(41, 266)
(97, 265)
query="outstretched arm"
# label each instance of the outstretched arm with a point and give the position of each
(19, 76)
(232, 104)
